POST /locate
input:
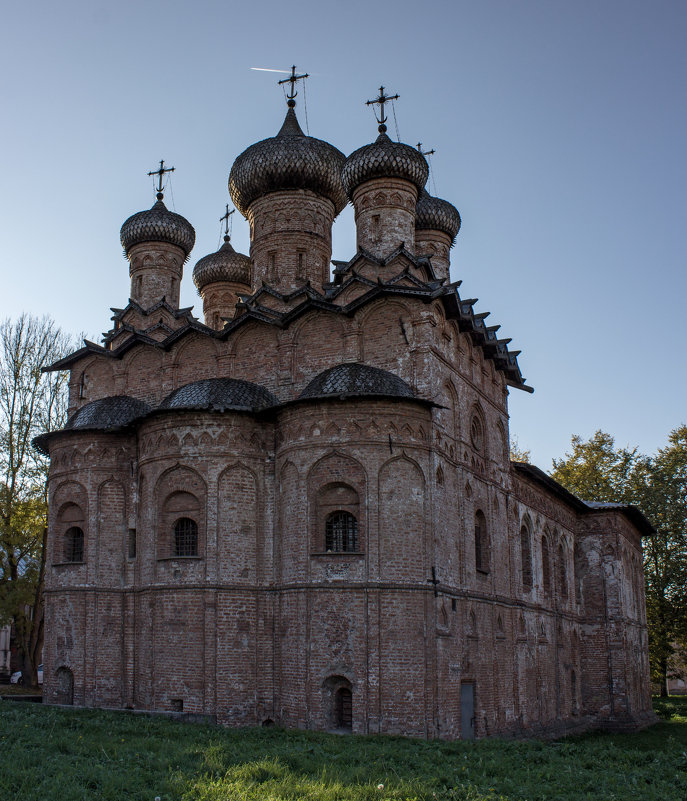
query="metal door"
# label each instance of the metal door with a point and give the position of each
(467, 711)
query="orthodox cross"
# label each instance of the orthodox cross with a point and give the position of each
(225, 219)
(435, 581)
(380, 101)
(160, 173)
(424, 152)
(292, 79)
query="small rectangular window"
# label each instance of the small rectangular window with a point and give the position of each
(132, 543)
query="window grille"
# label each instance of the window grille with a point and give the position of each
(341, 531)
(185, 537)
(73, 544)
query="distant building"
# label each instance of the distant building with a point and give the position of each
(301, 511)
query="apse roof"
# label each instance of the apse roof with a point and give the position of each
(220, 394)
(106, 413)
(356, 379)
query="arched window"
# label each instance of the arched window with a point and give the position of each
(73, 544)
(526, 558)
(545, 566)
(70, 524)
(481, 543)
(185, 537)
(341, 532)
(562, 574)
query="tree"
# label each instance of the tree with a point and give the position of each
(598, 471)
(660, 489)
(31, 402)
(518, 454)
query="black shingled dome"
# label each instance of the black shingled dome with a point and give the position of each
(220, 394)
(289, 160)
(106, 413)
(356, 379)
(224, 265)
(158, 224)
(435, 214)
(384, 158)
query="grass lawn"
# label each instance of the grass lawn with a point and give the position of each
(65, 755)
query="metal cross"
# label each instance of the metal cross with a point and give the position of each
(160, 173)
(424, 152)
(292, 80)
(225, 220)
(380, 101)
(435, 581)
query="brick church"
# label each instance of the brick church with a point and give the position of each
(301, 510)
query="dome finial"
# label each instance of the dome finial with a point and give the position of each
(160, 172)
(380, 101)
(291, 97)
(225, 219)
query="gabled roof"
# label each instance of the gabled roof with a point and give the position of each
(633, 513)
(306, 299)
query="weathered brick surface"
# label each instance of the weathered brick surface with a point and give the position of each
(263, 624)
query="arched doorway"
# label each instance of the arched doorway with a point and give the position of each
(64, 686)
(343, 709)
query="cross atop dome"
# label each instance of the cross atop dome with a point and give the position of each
(225, 219)
(292, 79)
(380, 101)
(160, 172)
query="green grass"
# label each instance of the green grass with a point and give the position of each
(65, 755)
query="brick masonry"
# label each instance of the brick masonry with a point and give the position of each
(262, 623)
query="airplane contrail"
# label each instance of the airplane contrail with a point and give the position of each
(267, 69)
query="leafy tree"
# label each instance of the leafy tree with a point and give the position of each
(660, 489)
(31, 402)
(518, 454)
(596, 470)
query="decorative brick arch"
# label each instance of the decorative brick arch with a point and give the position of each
(336, 482)
(180, 494)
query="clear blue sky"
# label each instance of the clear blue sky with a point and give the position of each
(560, 132)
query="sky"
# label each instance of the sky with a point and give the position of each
(559, 130)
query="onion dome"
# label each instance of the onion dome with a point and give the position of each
(384, 158)
(158, 224)
(107, 413)
(356, 379)
(435, 214)
(224, 265)
(289, 160)
(220, 394)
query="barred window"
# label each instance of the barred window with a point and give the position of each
(185, 537)
(73, 544)
(341, 532)
(481, 543)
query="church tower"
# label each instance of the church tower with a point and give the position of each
(383, 180)
(220, 278)
(289, 187)
(157, 243)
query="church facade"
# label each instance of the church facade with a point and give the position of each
(301, 511)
